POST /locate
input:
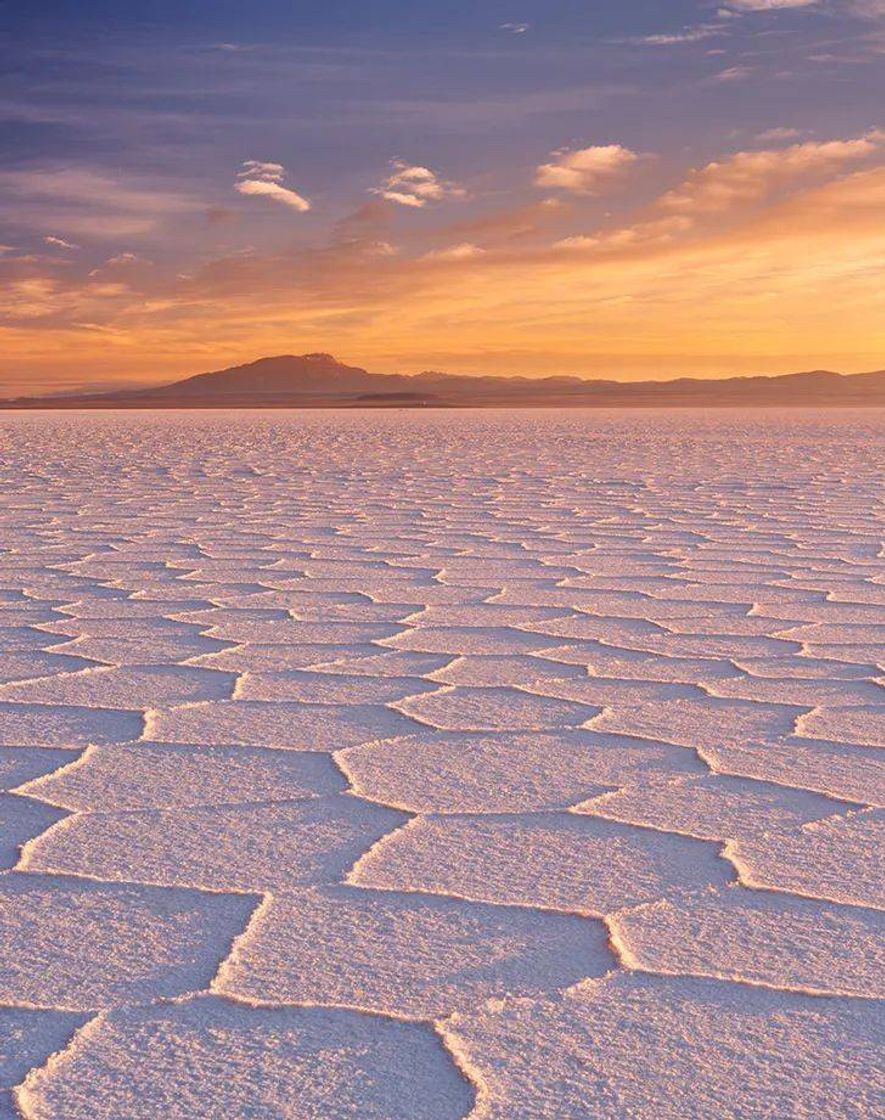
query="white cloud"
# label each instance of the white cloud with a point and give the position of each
(262, 169)
(747, 177)
(585, 170)
(416, 186)
(515, 28)
(59, 243)
(464, 252)
(262, 178)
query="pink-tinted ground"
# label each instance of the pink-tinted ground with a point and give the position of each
(442, 765)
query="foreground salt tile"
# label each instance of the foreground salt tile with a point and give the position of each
(759, 936)
(450, 772)
(144, 686)
(254, 657)
(141, 649)
(23, 764)
(157, 628)
(486, 615)
(837, 859)
(835, 769)
(407, 954)
(635, 665)
(558, 860)
(76, 944)
(215, 1060)
(512, 671)
(225, 847)
(26, 665)
(26, 639)
(713, 806)
(863, 654)
(47, 725)
(653, 1048)
(266, 723)
(605, 692)
(810, 692)
(834, 674)
(328, 688)
(297, 632)
(163, 775)
(394, 663)
(701, 722)
(20, 819)
(28, 1037)
(494, 640)
(861, 724)
(494, 709)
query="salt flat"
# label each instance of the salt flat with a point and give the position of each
(435, 765)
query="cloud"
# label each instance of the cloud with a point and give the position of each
(779, 133)
(747, 177)
(262, 169)
(769, 5)
(466, 251)
(867, 9)
(262, 178)
(732, 74)
(89, 202)
(515, 28)
(641, 235)
(59, 242)
(261, 187)
(694, 34)
(416, 186)
(585, 170)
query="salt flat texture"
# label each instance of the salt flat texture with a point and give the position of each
(444, 765)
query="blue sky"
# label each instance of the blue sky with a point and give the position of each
(127, 131)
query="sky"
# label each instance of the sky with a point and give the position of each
(609, 188)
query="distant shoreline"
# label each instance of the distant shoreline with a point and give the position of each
(363, 406)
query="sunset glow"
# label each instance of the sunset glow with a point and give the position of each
(607, 190)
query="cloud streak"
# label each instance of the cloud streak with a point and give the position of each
(585, 170)
(264, 179)
(416, 186)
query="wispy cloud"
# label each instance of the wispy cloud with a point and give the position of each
(89, 202)
(515, 28)
(416, 186)
(695, 34)
(585, 170)
(780, 133)
(769, 5)
(59, 242)
(747, 177)
(262, 178)
(731, 74)
(466, 251)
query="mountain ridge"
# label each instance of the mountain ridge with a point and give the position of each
(318, 380)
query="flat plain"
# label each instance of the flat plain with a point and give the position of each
(425, 765)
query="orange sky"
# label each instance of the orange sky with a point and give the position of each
(749, 250)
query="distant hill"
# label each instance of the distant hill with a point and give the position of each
(319, 381)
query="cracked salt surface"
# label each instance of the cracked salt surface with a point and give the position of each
(443, 765)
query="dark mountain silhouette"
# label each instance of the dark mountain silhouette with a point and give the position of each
(319, 381)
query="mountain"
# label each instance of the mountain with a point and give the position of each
(319, 381)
